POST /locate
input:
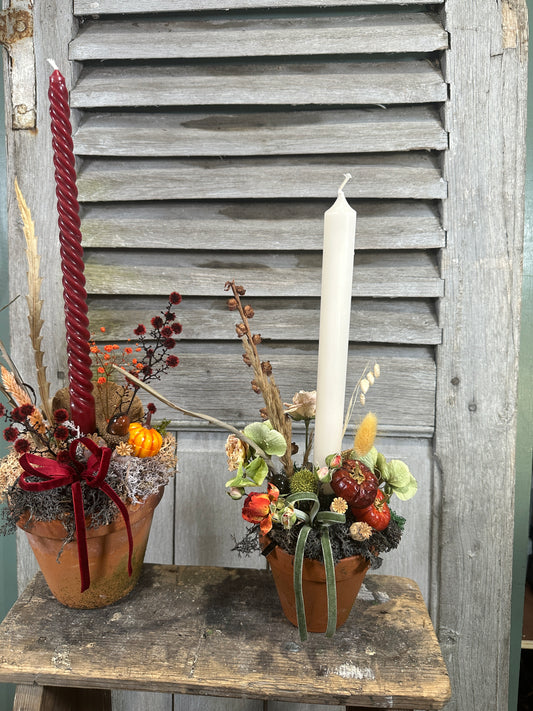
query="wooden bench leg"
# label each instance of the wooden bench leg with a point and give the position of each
(59, 698)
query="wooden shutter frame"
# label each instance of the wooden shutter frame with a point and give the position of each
(476, 392)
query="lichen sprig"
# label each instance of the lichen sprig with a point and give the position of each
(263, 382)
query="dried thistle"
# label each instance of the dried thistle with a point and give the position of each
(34, 302)
(263, 381)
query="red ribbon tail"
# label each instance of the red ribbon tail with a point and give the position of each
(81, 535)
(125, 515)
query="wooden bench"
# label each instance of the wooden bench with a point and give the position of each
(221, 632)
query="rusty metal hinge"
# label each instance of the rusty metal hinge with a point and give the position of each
(15, 25)
(16, 35)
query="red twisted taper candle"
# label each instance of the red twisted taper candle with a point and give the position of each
(74, 293)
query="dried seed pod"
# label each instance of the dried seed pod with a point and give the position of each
(248, 311)
(232, 304)
(256, 339)
(264, 413)
(255, 386)
(240, 328)
(246, 359)
(240, 290)
(266, 367)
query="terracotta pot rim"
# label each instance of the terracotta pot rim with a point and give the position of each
(55, 529)
(314, 569)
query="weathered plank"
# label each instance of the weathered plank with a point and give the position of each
(402, 274)
(216, 382)
(478, 361)
(288, 319)
(89, 7)
(260, 83)
(312, 35)
(257, 225)
(410, 175)
(221, 628)
(260, 133)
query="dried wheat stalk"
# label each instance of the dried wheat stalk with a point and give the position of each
(34, 302)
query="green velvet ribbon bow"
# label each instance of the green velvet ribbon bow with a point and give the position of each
(322, 519)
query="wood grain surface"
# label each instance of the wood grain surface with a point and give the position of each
(221, 631)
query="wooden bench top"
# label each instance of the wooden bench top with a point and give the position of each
(221, 632)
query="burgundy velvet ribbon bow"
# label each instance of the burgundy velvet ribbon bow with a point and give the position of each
(55, 474)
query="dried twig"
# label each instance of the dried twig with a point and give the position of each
(263, 381)
(272, 464)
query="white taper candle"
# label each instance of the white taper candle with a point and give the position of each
(335, 308)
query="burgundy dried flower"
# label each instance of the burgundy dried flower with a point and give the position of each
(177, 328)
(21, 446)
(60, 415)
(16, 414)
(149, 352)
(2, 410)
(11, 434)
(166, 332)
(61, 433)
(27, 409)
(140, 330)
(169, 316)
(157, 322)
(146, 370)
(172, 361)
(175, 298)
(63, 457)
(151, 408)
(169, 343)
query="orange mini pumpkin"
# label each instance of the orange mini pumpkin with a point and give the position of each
(145, 441)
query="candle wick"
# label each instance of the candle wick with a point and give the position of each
(347, 177)
(53, 64)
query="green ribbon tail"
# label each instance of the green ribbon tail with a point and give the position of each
(331, 588)
(297, 581)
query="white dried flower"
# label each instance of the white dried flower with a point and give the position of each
(360, 531)
(303, 406)
(235, 451)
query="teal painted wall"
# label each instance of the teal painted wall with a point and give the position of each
(525, 411)
(8, 560)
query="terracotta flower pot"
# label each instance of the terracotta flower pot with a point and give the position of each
(349, 576)
(107, 549)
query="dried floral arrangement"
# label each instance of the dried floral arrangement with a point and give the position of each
(48, 448)
(349, 496)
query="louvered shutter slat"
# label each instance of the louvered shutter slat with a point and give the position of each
(287, 319)
(414, 175)
(267, 226)
(364, 131)
(404, 275)
(408, 32)
(227, 83)
(87, 7)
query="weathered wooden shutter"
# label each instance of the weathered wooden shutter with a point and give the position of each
(211, 143)
(211, 137)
